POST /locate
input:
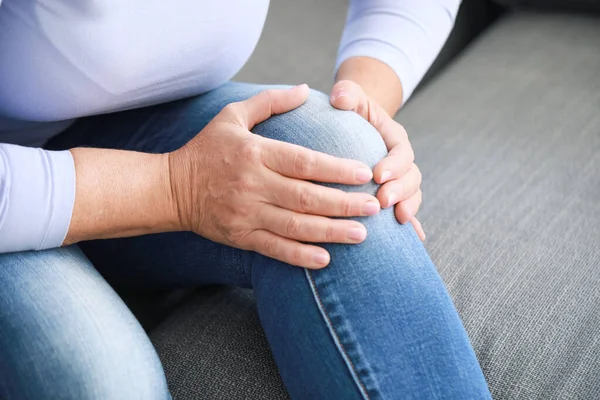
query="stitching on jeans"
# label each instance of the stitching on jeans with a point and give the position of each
(336, 338)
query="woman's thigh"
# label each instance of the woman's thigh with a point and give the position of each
(376, 323)
(65, 334)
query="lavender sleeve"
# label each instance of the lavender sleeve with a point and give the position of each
(37, 193)
(406, 35)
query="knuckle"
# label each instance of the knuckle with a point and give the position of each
(304, 165)
(306, 201)
(347, 207)
(251, 151)
(236, 113)
(330, 232)
(293, 226)
(341, 172)
(270, 246)
(346, 203)
(232, 108)
(245, 183)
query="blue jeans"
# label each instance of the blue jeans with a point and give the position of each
(377, 323)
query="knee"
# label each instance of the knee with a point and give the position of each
(319, 126)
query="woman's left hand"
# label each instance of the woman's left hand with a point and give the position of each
(398, 175)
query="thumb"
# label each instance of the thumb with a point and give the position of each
(270, 102)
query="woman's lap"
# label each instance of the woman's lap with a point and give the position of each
(376, 323)
(64, 333)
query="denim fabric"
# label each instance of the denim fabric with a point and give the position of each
(65, 334)
(376, 324)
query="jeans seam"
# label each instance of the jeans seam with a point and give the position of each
(351, 367)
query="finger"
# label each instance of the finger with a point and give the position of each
(408, 208)
(311, 228)
(395, 165)
(392, 132)
(269, 102)
(418, 228)
(287, 250)
(348, 95)
(400, 189)
(310, 198)
(301, 163)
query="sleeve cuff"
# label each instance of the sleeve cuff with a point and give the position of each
(405, 35)
(387, 54)
(38, 188)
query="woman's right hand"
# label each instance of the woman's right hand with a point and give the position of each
(246, 191)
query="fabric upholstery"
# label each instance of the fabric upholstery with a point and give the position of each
(508, 139)
(213, 347)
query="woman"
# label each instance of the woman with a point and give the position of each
(201, 182)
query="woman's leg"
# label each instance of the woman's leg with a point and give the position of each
(377, 323)
(65, 334)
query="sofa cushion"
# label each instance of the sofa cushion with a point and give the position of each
(213, 347)
(508, 139)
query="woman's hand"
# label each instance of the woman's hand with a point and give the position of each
(398, 175)
(237, 188)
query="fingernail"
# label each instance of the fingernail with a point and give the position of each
(385, 176)
(339, 94)
(363, 175)
(299, 86)
(321, 258)
(371, 208)
(392, 199)
(358, 234)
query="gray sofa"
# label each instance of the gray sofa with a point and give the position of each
(507, 134)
